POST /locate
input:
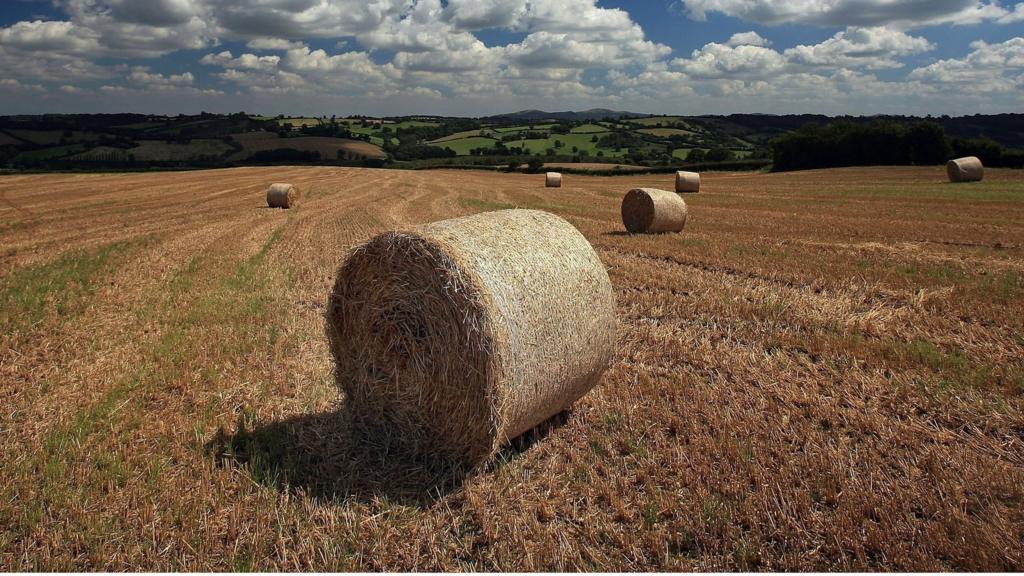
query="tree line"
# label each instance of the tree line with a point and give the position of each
(882, 143)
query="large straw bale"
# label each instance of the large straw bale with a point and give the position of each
(967, 169)
(553, 180)
(687, 181)
(282, 195)
(460, 335)
(649, 210)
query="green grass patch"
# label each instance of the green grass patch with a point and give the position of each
(589, 129)
(296, 122)
(462, 146)
(412, 124)
(14, 225)
(204, 319)
(655, 121)
(1006, 286)
(480, 133)
(682, 153)
(971, 192)
(955, 370)
(534, 127)
(940, 273)
(61, 288)
(580, 141)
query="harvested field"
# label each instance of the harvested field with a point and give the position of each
(464, 145)
(824, 370)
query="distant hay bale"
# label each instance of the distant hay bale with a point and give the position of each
(462, 334)
(282, 195)
(967, 169)
(652, 211)
(553, 180)
(687, 181)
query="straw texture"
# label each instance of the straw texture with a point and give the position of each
(687, 181)
(282, 195)
(652, 211)
(463, 334)
(553, 180)
(967, 169)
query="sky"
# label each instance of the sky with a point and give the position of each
(481, 57)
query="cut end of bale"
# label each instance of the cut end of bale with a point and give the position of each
(553, 180)
(460, 335)
(687, 181)
(967, 169)
(282, 195)
(653, 211)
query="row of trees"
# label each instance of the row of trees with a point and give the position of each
(881, 143)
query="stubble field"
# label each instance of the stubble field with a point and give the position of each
(824, 371)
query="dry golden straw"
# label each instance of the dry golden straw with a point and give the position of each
(687, 181)
(282, 195)
(649, 210)
(967, 169)
(462, 334)
(553, 180)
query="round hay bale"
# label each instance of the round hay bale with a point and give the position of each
(282, 195)
(652, 211)
(553, 180)
(967, 169)
(460, 335)
(687, 181)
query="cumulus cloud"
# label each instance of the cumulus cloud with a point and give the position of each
(747, 39)
(293, 19)
(721, 60)
(49, 36)
(572, 52)
(434, 49)
(131, 29)
(1017, 15)
(154, 12)
(899, 13)
(875, 47)
(245, 61)
(266, 43)
(568, 50)
(12, 85)
(144, 77)
(158, 90)
(988, 68)
(745, 55)
(483, 14)
(50, 51)
(301, 69)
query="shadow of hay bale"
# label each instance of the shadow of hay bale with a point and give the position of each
(326, 456)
